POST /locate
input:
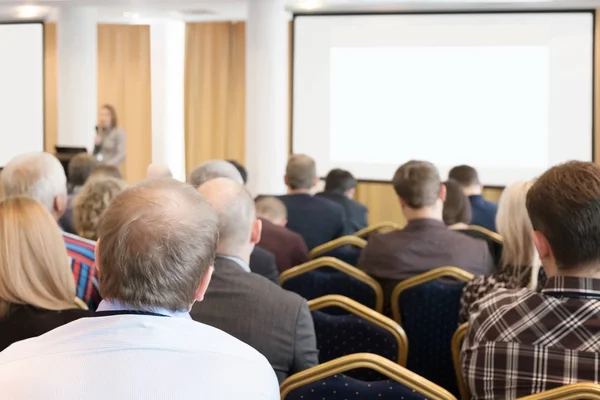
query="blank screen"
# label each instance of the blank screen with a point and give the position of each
(508, 93)
(21, 89)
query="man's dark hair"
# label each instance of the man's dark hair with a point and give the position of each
(80, 168)
(242, 170)
(564, 205)
(418, 183)
(106, 170)
(339, 181)
(465, 175)
(457, 207)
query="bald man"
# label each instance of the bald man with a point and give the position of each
(274, 321)
(157, 171)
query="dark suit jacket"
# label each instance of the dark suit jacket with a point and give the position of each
(316, 219)
(356, 213)
(275, 322)
(289, 247)
(483, 212)
(24, 322)
(262, 262)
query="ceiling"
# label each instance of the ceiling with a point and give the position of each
(144, 11)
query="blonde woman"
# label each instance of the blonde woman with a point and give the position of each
(92, 200)
(37, 291)
(519, 265)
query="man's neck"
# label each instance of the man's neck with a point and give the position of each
(422, 213)
(591, 272)
(298, 191)
(242, 255)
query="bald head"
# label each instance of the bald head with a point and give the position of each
(214, 169)
(238, 228)
(157, 240)
(157, 171)
(272, 209)
(301, 172)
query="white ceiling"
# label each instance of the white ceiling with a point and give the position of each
(143, 11)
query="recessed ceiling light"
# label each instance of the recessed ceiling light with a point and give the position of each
(309, 4)
(29, 11)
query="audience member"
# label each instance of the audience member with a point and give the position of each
(155, 171)
(37, 292)
(316, 219)
(80, 168)
(425, 243)
(274, 321)
(287, 246)
(262, 262)
(483, 211)
(457, 209)
(521, 342)
(155, 253)
(241, 169)
(519, 264)
(92, 200)
(42, 177)
(340, 187)
(107, 171)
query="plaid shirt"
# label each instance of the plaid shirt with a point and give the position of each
(523, 342)
(82, 260)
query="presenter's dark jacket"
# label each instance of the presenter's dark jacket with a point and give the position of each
(272, 320)
(24, 322)
(356, 213)
(483, 212)
(262, 262)
(315, 218)
(287, 246)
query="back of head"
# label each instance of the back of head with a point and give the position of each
(36, 175)
(241, 169)
(564, 205)
(33, 260)
(457, 208)
(157, 239)
(235, 210)
(301, 172)
(418, 183)
(271, 208)
(80, 168)
(91, 201)
(155, 171)
(339, 181)
(211, 170)
(465, 175)
(105, 170)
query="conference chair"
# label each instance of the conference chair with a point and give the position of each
(575, 391)
(329, 381)
(457, 341)
(360, 330)
(426, 306)
(328, 275)
(345, 248)
(494, 241)
(380, 227)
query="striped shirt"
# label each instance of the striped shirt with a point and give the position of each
(521, 342)
(82, 260)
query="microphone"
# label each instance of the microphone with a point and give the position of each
(97, 147)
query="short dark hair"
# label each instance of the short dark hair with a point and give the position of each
(465, 175)
(564, 205)
(242, 170)
(457, 207)
(107, 171)
(418, 183)
(339, 181)
(80, 168)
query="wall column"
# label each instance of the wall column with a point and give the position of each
(266, 95)
(77, 49)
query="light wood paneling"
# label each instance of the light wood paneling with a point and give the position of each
(124, 82)
(50, 89)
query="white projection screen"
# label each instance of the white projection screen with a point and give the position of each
(508, 93)
(21, 89)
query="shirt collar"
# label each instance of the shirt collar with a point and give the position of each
(116, 305)
(238, 261)
(571, 284)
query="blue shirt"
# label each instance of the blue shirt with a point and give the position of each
(483, 212)
(238, 261)
(116, 305)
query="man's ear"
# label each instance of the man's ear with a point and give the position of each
(60, 205)
(315, 181)
(443, 192)
(542, 245)
(256, 231)
(201, 291)
(286, 180)
(350, 193)
(402, 202)
(283, 222)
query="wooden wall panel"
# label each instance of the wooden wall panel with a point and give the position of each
(50, 89)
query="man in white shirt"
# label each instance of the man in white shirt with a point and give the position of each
(155, 255)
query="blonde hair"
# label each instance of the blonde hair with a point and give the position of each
(92, 200)
(514, 225)
(34, 267)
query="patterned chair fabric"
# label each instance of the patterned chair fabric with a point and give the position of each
(429, 316)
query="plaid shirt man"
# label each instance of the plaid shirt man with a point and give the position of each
(523, 342)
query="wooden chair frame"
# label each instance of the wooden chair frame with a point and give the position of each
(441, 272)
(340, 266)
(385, 225)
(576, 391)
(334, 244)
(371, 361)
(364, 312)
(457, 340)
(492, 235)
